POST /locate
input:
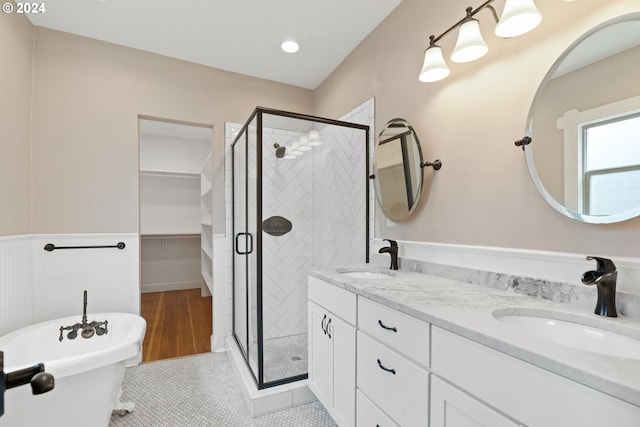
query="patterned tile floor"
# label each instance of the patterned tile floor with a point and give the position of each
(200, 391)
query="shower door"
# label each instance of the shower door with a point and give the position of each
(299, 198)
(245, 326)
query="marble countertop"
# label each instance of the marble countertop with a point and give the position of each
(467, 310)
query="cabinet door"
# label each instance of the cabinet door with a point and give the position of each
(343, 338)
(451, 407)
(320, 356)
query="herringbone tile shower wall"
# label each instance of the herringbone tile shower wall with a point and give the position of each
(323, 194)
(287, 190)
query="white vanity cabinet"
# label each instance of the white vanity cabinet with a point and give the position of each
(386, 368)
(392, 365)
(332, 349)
(527, 394)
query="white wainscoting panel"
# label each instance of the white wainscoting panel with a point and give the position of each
(16, 278)
(111, 276)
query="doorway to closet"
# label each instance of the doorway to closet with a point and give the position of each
(176, 237)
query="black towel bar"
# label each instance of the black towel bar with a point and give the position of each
(51, 247)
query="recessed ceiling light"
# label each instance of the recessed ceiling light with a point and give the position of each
(290, 46)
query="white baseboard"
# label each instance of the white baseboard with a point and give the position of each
(215, 348)
(172, 286)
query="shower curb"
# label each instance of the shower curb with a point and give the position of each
(273, 399)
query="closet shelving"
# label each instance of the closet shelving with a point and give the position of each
(169, 203)
(206, 222)
(175, 187)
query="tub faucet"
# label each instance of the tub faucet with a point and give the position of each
(392, 250)
(604, 277)
(41, 381)
(87, 330)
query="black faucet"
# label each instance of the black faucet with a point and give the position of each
(393, 251)
(87, 330)
(41, 381)
(604, 277)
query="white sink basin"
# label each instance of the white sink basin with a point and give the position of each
(584, 333)
(362, 273)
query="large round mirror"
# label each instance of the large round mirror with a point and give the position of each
(585, 126)
(397, 169)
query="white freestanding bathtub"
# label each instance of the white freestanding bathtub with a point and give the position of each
(88, 372)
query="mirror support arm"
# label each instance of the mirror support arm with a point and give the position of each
(437, 164)
(524, 141)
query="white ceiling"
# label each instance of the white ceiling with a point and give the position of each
(242, 36)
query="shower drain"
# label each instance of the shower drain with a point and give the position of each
(296, 358)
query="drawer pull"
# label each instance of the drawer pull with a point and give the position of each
(322, 324)
(393, 371)
(328, 323)
(388, 328)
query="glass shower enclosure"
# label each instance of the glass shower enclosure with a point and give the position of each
(300, 198)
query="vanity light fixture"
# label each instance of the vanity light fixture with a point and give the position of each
(470, 45)
(518, 17)
(435, 67)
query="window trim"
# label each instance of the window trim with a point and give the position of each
(572, 123)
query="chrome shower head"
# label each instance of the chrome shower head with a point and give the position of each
(280, 151)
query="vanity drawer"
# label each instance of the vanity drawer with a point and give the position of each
(369, 415)
(397, 330)
(395, 384)
(340, 302)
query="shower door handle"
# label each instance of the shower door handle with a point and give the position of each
(249, 243)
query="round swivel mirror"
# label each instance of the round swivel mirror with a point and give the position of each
(398, 170)
(584, 124)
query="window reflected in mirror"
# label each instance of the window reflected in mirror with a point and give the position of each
(611, 171)
(585, 126)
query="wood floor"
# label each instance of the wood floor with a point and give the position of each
(178, 324)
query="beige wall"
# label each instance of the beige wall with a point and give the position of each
(16, 51)
(483, 194)
(87, 98)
